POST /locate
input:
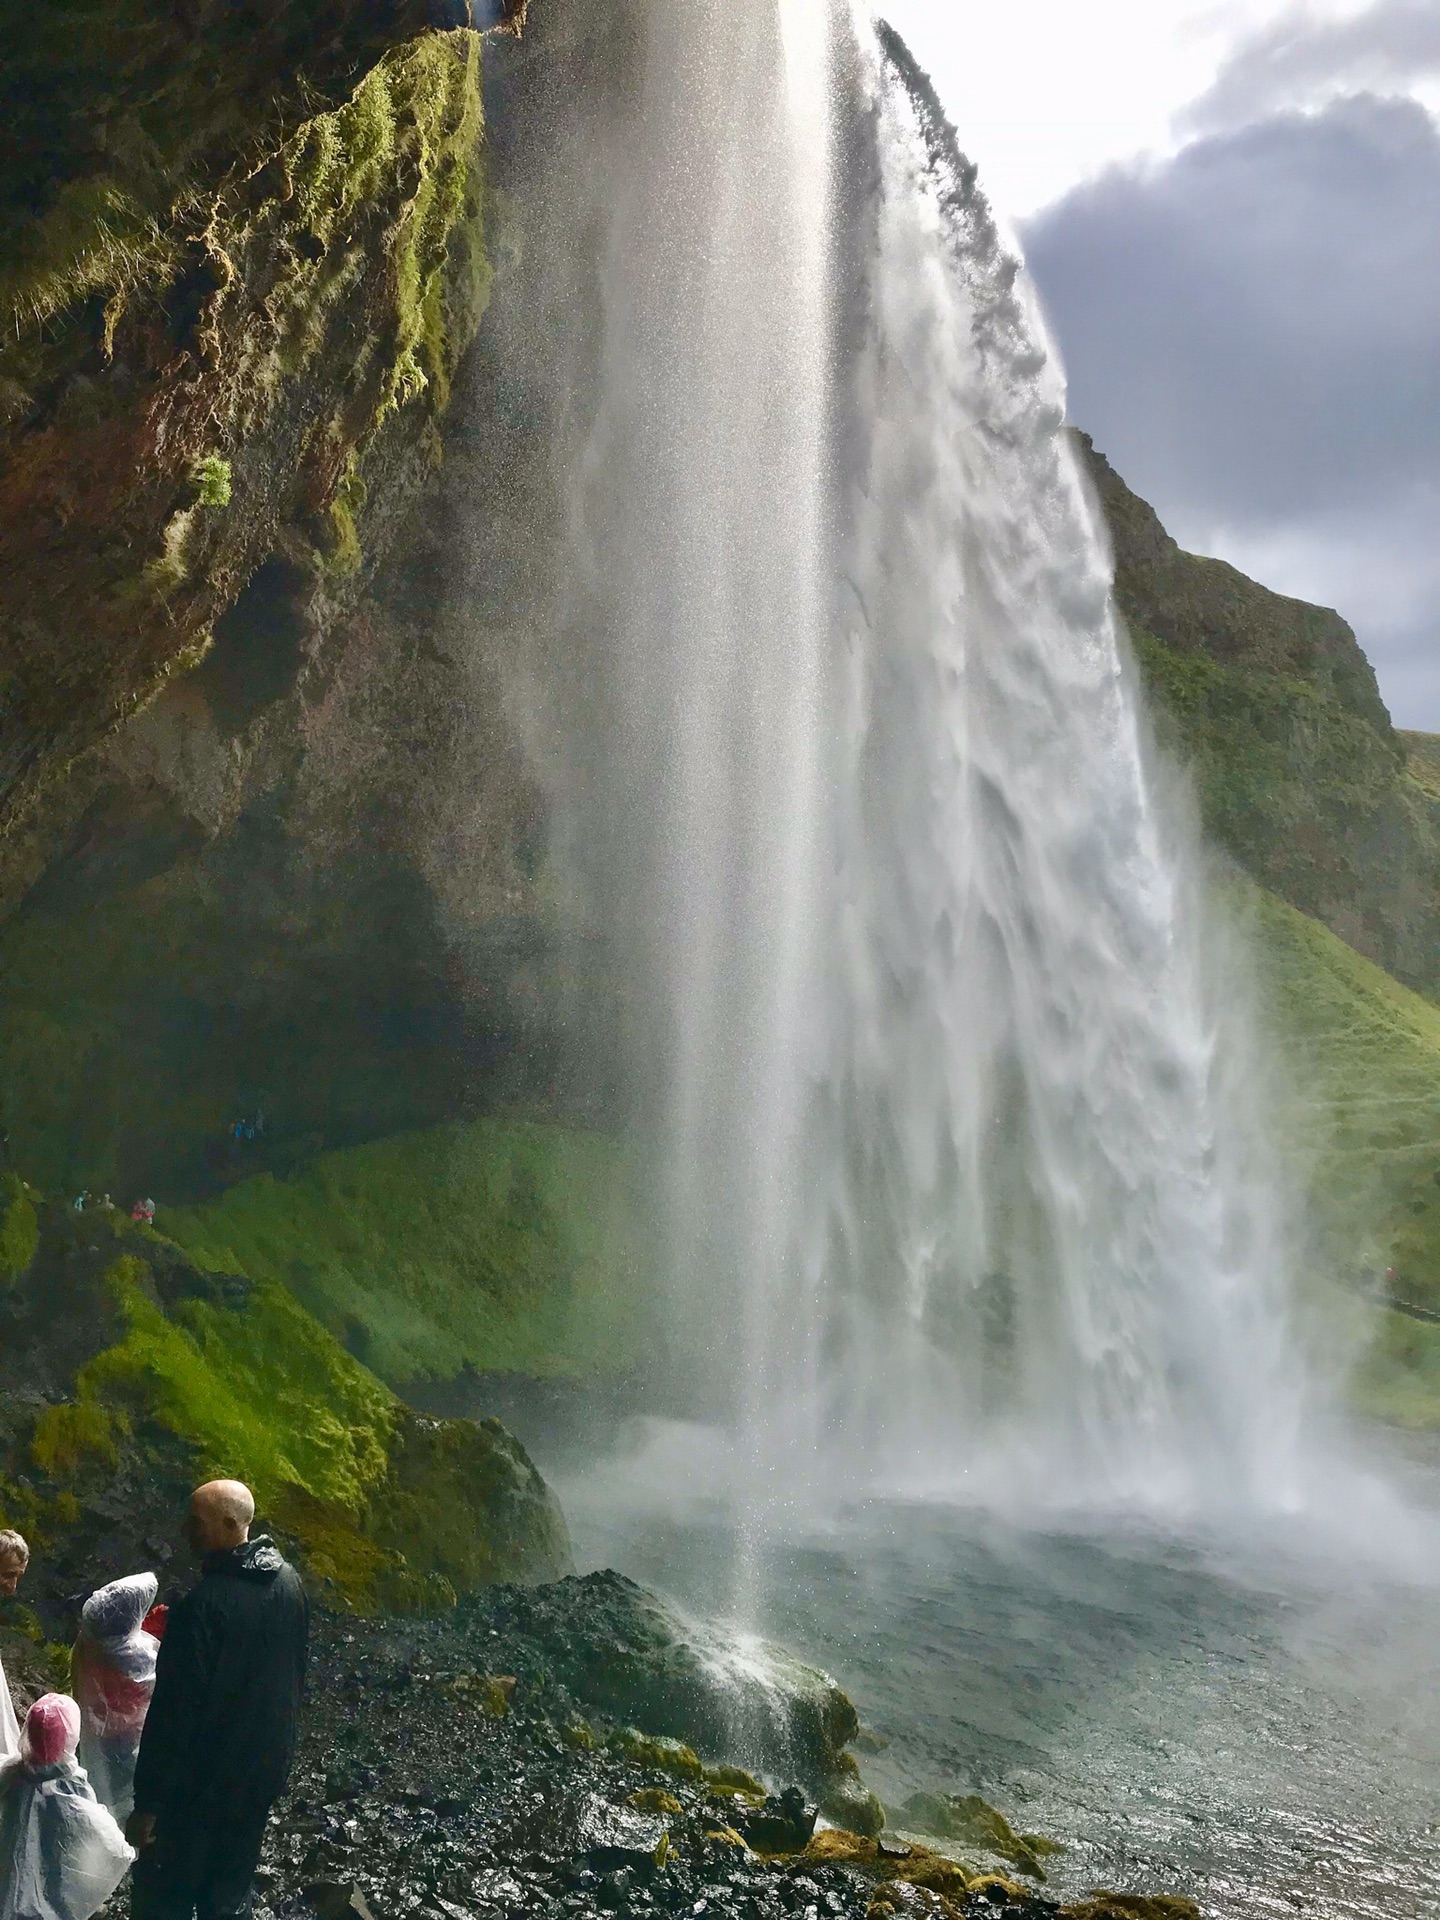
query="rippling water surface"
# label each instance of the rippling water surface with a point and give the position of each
(1254, 1720)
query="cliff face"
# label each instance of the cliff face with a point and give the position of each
(230, 322)
(1299, 772)
(236, 875)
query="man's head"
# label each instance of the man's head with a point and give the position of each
(14, 1559)
(219, 1517)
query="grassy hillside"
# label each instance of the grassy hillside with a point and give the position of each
(1299, 774)
(506, 1247)
(1363, 1059)
(133, 1371)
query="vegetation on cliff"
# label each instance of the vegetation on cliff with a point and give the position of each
(233, 361)
(132, 1370)
(1275, 708)
(1361, 1124)
(495, 1246)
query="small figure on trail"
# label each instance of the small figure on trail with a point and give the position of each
(80, 1202)
(144, 1211)
(14, 1559)
(113, 1677)
(220, 1734)
(61, 1853)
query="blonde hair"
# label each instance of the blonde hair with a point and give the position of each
(13, 1546)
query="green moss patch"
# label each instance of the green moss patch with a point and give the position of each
(262, 1392)
(224, 373)
(133, 1373)
(501, 1246)
(19, 1228)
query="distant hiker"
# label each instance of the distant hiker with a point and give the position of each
(14, 1559)
(113, 1676)
(220, 1734)
(61, 1853)
(144, 1211)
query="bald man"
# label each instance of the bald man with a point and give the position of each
(220, 1734)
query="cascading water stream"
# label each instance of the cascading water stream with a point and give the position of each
(965, 1176)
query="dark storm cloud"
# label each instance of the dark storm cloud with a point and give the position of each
(1252, 333)
(1385, 49)
(1257, 323)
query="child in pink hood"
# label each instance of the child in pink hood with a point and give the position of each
(61, 1853)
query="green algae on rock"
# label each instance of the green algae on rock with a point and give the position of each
(627, 1654)
(19, 1228)
(975, 1823)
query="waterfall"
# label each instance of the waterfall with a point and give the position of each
(964, 1177)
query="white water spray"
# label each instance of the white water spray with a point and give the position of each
(964, 1182)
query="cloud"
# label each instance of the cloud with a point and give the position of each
(1302, 61)
(1252, 332)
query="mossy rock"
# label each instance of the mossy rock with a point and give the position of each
(975, 1823)
(851, 1805)
(1131, 1906)
(498, 1246)
(461, 1500)
(1275, 709)
(915, 1866)
(659, 1753)
(135, 1373)
(627, 1655)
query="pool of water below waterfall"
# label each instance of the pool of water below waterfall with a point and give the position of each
(1249, 1715)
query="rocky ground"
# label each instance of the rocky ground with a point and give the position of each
(446, 1773)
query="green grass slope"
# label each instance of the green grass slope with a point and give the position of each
(505, 1247)
(132, 1372)
(1363, 1060)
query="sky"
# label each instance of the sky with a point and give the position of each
(1232, 212)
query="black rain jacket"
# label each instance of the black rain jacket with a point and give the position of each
(220, 1733)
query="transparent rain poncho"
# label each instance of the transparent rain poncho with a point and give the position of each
(61, 1853)
(9, 1725)
(113, 1674)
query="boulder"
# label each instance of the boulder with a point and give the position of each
(630, 1656)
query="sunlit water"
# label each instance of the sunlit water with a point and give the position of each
(1248, 1716)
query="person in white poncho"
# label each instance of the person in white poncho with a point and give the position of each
(14, 1559)
(61, 1853)
(113, 1675)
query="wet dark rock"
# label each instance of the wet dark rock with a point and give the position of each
(412, 1800)
(785, 1823)
(623, 1652)
(617, 1837)
(411, 1796)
